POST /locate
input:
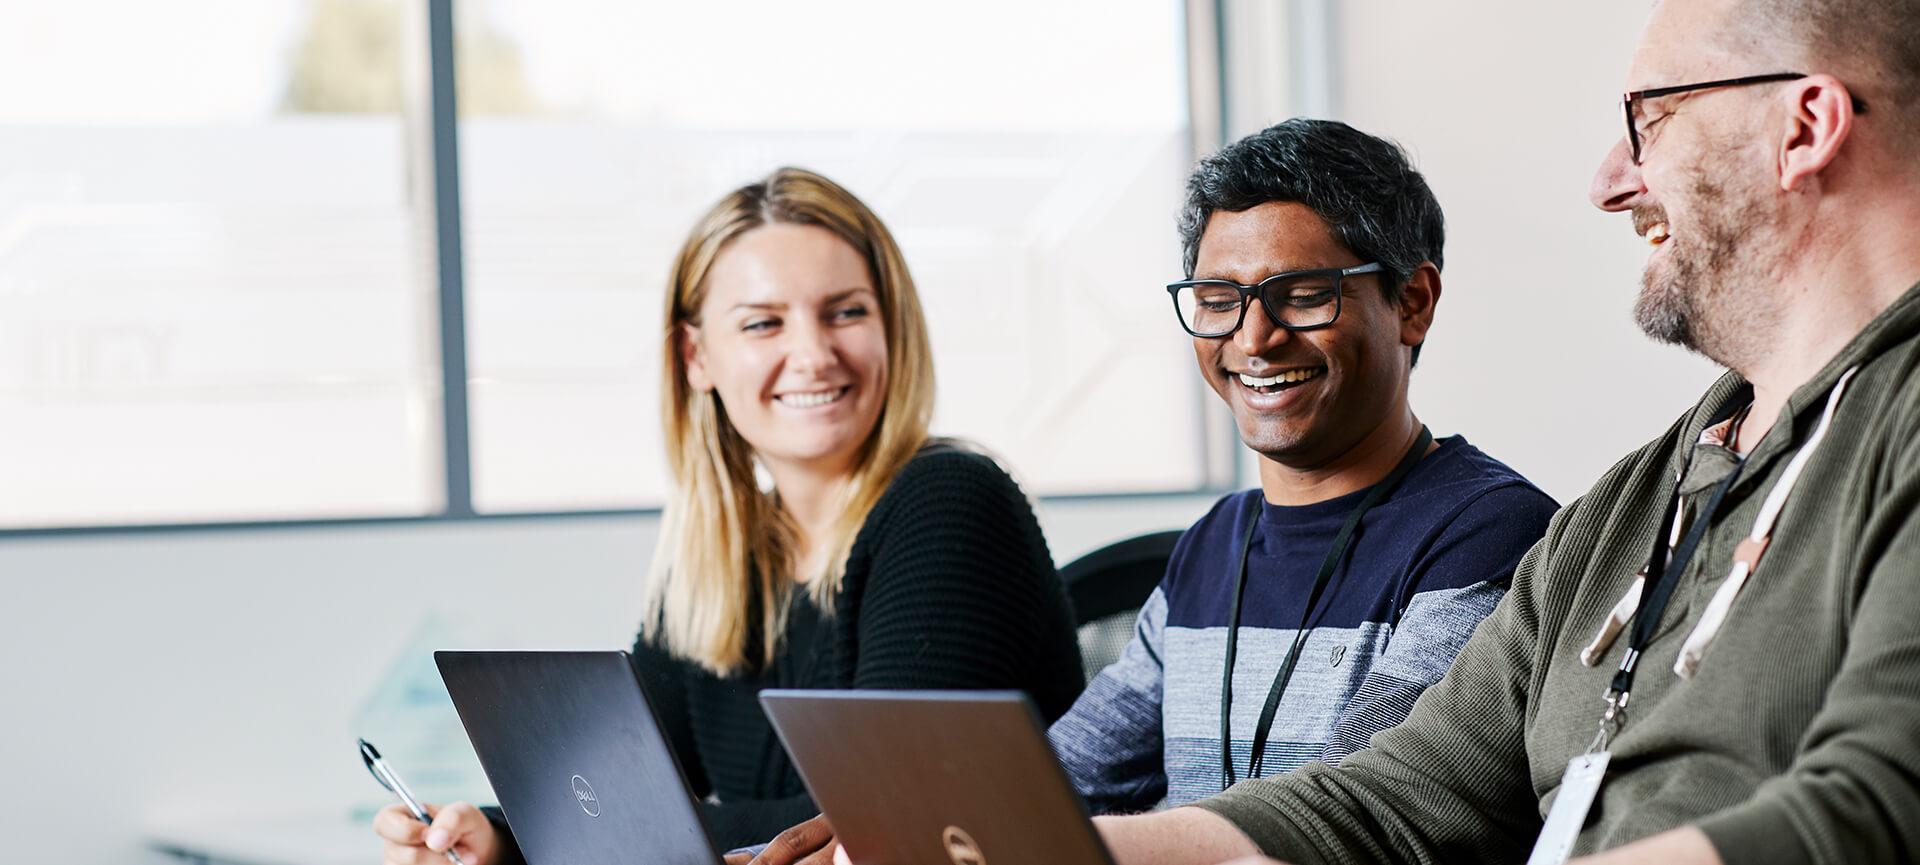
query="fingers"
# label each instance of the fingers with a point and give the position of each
(410, 842)
(402, 837)
(840, 856)
(407, 854)
(827, 855)
(799, 844)
(402, 852)
(454, 824)
(737, 859)
(394, 824)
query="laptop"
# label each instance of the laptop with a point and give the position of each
(936, 777)
(577, 759)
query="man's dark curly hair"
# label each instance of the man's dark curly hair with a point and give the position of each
(1377, 205)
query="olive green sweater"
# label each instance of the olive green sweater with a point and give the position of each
(1798, 740)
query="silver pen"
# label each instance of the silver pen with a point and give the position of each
(391, 780)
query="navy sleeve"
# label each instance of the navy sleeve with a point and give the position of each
(1110, 742)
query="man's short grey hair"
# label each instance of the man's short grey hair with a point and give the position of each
(1873, 46)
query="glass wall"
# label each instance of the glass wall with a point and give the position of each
(217, 292)
(1031, 174)
(212, 305)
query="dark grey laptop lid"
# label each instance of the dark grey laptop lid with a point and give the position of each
(935, 777)
(573, 750)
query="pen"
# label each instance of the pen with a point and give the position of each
(391, 780)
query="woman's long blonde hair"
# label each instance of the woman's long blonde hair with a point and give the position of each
(724, 562)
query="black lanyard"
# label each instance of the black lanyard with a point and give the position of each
(1340, 543)
(1663, 576)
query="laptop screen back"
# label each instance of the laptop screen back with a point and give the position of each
(576, 758)
(935, 778)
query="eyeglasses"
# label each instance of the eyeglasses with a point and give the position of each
(1632, 101)
(1296, 300)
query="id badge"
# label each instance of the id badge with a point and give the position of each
(1570, 806)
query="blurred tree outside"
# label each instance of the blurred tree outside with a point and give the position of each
(347, 61)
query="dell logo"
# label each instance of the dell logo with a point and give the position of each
(961, 847)
(583, 793)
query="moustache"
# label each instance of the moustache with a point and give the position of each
(1645, 218)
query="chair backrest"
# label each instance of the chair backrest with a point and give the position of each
(1108, 586)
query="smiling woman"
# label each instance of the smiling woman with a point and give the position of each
(816, 536)
(791, 319)
(789, 338)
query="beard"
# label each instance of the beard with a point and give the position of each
(1708, 294)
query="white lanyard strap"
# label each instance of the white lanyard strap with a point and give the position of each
(1746, 557)
(1616, 622)
(1622, 613)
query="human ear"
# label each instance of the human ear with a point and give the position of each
(693, 355)
(1418, 298)
(1819, 121)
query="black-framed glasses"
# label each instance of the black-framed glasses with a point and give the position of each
(1630, 102)
(1295, 300)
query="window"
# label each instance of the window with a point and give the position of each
(1030, 174)
(211, 303)
(218, 287)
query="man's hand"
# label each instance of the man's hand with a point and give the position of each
(809, 843)
(1182, 836)
(1179, 836)
(1686, 845)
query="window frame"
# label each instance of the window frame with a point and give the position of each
(437, 154)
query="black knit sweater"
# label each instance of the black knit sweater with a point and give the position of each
(948, 585)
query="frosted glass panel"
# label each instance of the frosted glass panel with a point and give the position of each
(1031, 174)
(212, 301)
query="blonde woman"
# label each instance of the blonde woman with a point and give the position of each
(816, 538)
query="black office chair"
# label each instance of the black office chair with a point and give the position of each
(1108, 586)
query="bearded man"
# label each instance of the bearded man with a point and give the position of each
(1714, 655)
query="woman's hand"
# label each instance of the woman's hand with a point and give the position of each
(810, 843)
(459, 826)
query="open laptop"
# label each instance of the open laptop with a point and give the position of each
(935, 777)
(576, 756)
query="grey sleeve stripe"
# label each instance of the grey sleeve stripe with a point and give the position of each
(1110, 741)
(1428, 637)
(1381, 702)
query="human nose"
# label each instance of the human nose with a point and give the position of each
(810, 348)
(1258, 334)
(1617, 184)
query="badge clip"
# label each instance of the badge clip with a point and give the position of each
(1610, 722)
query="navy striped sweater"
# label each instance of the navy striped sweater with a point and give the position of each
(1426, 565)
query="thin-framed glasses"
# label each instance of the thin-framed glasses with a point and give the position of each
(1630, 102)
(1295, 300)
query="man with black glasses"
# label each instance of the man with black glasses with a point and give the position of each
(1298, 619)
(1712, 656)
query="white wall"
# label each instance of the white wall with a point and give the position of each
(150, 679)
(1507, 108)
(160, 680)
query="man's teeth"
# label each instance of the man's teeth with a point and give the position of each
(1292, 376)
(810, 400)
(1658, 234)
